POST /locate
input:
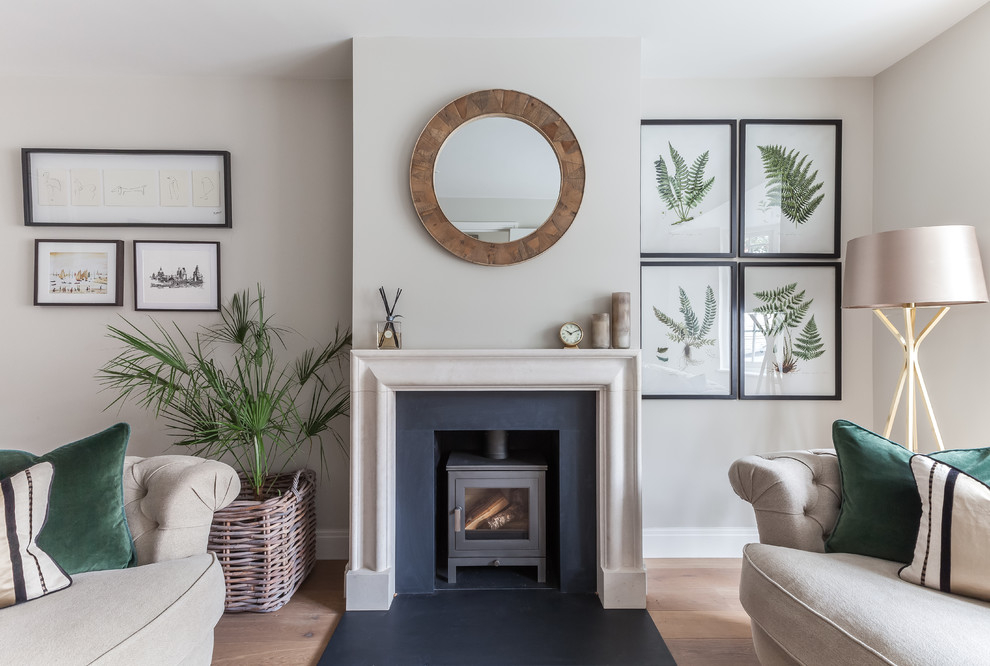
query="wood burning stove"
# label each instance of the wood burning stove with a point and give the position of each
(496, 512)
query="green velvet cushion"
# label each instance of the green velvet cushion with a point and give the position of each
(86, 528)
(881, 509)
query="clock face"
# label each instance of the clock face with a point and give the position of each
(571, 333)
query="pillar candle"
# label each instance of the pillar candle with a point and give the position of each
(600, 333)
(620, 320)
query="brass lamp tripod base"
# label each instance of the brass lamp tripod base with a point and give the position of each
(911, 375)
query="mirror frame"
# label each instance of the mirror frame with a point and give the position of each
(505, 104)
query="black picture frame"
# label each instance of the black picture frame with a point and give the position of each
(78, 272)
(187, 277)
(82, 187)
(673, 368)
(785, 374)
(709, 227)
(800, 228)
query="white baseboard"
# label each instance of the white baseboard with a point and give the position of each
(697, 541)
(331, 544)
(657, 542)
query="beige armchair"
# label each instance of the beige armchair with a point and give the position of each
(809, 607)
(795, 494)
(162, 611)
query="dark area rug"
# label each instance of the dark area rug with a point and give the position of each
(496, 628)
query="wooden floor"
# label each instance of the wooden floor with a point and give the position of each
(694, 602)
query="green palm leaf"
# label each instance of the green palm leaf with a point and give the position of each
(224, 392)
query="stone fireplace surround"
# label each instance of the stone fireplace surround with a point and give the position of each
(614, 375)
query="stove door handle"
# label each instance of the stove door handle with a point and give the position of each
(457, 519)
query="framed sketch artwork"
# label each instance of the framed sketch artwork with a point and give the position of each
(688, 188)
(688, 329)
(176, 275)
(791, 172)
(78, 272)
(126, 188)
(791, 330)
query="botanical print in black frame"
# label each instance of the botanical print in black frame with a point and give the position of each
(790, 329)
(688, 329)
(790, 194)
(688, 188)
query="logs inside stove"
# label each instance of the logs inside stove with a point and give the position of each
(496, 509)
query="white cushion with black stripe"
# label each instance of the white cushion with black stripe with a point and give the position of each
(954, 537)
(26, 571)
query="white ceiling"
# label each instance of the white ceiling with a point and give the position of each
(310, 38)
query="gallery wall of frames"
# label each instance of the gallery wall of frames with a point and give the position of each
(127, 188)
(739, 253)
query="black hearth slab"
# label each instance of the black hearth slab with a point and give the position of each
(497, 628)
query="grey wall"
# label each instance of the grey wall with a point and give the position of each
(932, 141)
(290, 144)
(399, 83)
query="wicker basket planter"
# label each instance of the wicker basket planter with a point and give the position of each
(267, 548)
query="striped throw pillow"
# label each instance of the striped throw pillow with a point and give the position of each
(954, 537)
(26, 571)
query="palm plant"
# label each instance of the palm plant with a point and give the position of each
(691, 332)
(683, 191)
(224, 391)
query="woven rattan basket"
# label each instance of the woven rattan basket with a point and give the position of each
(267, 548)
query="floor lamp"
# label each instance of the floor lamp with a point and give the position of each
(923, 267)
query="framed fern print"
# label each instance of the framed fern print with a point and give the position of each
(790, 172)
(688, 324)
(688, 188)
(791, 333)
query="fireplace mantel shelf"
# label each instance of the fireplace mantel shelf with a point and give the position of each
(377, 374)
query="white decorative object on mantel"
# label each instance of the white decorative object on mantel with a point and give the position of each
(614, 374)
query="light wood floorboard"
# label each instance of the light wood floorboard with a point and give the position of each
(694, 603)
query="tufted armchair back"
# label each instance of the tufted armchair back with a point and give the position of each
(170, 501)
(795, 494)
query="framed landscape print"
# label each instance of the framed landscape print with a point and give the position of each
(790, 196)
(176, 275)
(78, 272)
(791, 331)
(688, 329)
(688, 188)
(126, 188)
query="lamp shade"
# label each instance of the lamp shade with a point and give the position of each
(921, 266)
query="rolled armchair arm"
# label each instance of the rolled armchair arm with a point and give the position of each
(170, 501)
(795, 494)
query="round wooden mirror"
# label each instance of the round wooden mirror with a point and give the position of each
(490, 225)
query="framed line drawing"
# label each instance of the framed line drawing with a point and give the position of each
(791, 331)
(688, 326)
(688, 188)
(68, 187)
(790, 198)
(78, 272)
(177, 275)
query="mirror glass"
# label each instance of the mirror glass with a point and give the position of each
(497, 179)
